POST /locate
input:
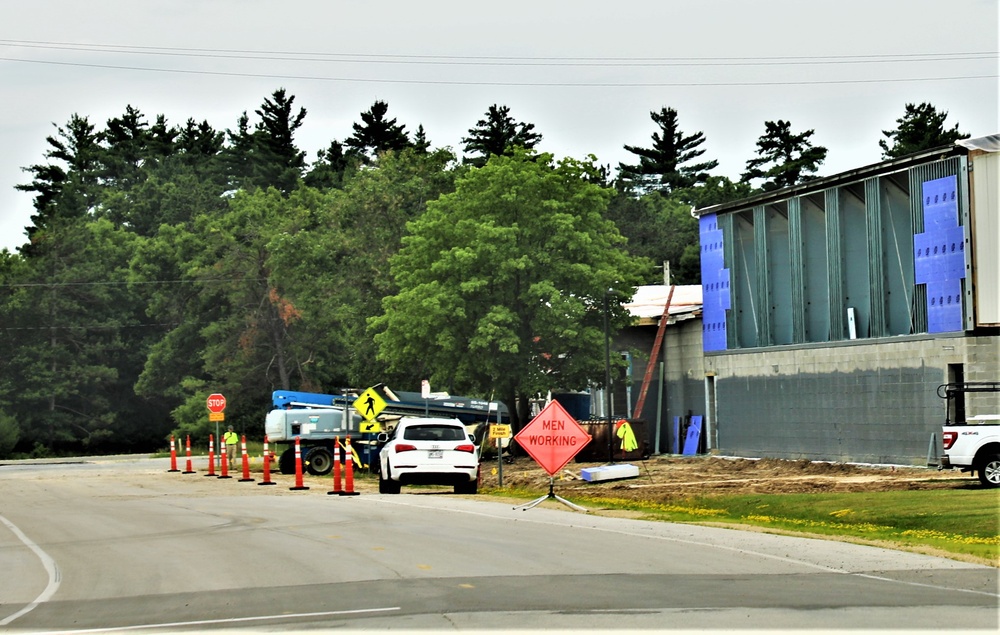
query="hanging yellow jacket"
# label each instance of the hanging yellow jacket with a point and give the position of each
(625, 433)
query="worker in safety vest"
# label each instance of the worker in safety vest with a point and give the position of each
(232, 441)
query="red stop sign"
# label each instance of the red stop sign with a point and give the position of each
(216, 402)
(552, 438)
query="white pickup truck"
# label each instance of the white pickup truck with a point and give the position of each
(971, 442)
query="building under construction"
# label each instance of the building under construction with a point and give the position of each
(833, 310)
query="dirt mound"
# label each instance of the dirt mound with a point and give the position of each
(666, 478)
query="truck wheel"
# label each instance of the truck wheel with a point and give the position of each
(319, 461)
(386, 485)
(286, 462)
(989, 471)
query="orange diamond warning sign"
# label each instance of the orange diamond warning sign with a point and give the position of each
(552, 438)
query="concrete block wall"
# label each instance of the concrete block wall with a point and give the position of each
(871, 401)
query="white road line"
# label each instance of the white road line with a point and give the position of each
(233, 620)
(55, 577)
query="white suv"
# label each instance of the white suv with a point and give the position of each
(428, 451)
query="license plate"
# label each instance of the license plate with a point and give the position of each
(435, 454)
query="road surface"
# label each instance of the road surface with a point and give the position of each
(124, 546)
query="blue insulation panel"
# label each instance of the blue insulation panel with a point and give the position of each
(693, 436)
(939, 255)
(714, 285)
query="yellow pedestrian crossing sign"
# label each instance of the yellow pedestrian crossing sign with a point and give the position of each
(369, 404)
(371, 426)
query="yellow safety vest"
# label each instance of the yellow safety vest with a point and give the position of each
(231, 439)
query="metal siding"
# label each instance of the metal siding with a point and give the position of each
(877, 323)
(796, 247)
(779, 275)
(817, 287)
(835, 258)
(986, 238)
(762, 296)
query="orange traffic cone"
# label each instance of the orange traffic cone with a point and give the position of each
(336, 467)
(246, 460)
(224, 455)
(211, 455)
(188, 469)
(349, 465)
(173, 456)
(267, 466)
(298, 467)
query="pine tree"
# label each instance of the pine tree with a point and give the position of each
(920, 128)
(792, 157)
(376, 134)
(280, 162)
(666, 166)
(497, 135)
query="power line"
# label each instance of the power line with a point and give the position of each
(504, 83)
(479, 60)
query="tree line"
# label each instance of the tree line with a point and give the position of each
(165, 262)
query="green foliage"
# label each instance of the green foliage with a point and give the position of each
(498, 135)
(662, 229)
(10, 432)
(667, 164)
(501, 283)
(920, 128)
(784, 158)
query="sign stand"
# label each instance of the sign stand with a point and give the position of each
(551, 494)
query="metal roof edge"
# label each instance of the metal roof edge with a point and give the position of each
(826, 182)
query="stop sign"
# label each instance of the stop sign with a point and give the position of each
(216, 402)
(552, 438)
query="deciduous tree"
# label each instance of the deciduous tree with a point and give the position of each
(502, 282)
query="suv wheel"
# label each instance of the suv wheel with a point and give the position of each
(387, 485)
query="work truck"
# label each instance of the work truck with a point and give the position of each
(971, 432)
(317, 420)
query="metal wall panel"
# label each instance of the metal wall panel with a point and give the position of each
(835, 259)
(816, 296)
(985, 232)
(854, 241)
(779, 274)
(877, 322)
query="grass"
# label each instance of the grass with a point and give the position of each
(958, 523)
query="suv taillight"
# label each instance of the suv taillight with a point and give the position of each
(466, 447)
(948, 439)
(404, 447)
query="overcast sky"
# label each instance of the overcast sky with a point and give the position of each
(586, 73)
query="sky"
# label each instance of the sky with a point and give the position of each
(586, 73)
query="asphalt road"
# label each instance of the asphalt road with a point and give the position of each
(123, 545)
